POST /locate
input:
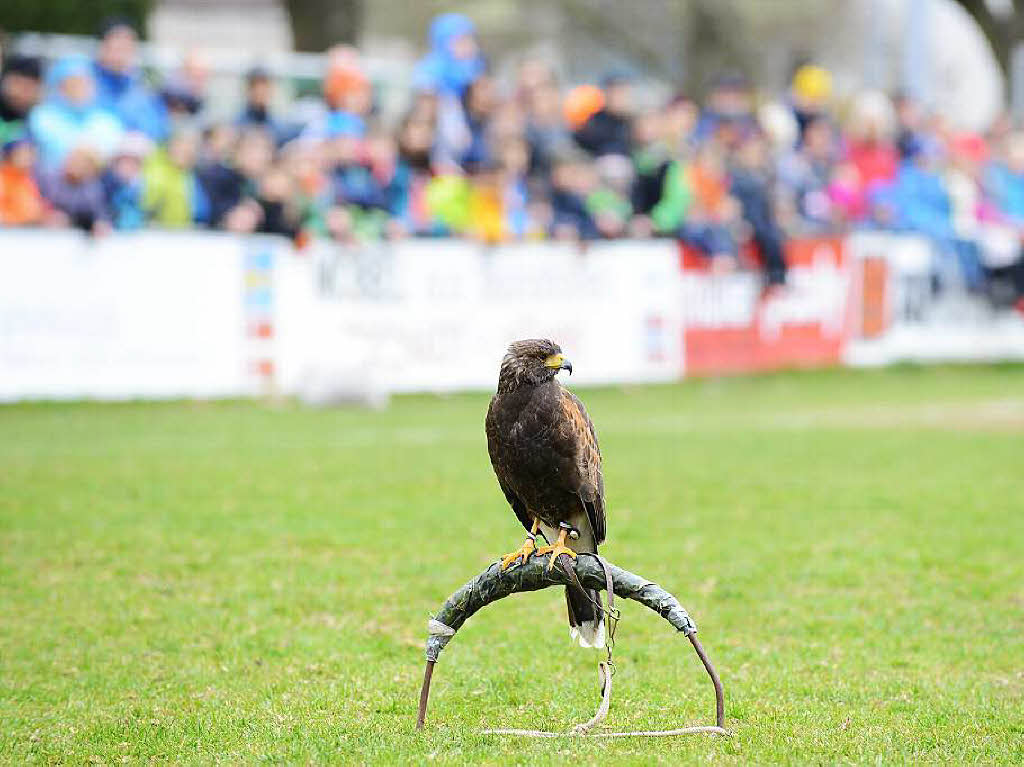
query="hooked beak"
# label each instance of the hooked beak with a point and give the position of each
(558, 362)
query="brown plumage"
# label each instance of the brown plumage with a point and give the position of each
(544, 451)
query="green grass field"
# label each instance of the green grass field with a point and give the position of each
(238, 582)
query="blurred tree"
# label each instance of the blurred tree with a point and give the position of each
(319, 24)
(1003, 26)
(70, 16)
(683, 43)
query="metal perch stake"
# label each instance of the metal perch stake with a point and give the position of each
(594, 573)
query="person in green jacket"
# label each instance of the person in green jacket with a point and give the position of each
(172, 195)
(669, 214)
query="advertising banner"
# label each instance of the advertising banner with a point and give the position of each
(731, 325)
(913, 309)
(438, 315)
(159, 314)
(146, 315)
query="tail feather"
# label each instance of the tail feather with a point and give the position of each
(586, 624)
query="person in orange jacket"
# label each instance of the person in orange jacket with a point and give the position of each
(20, 201)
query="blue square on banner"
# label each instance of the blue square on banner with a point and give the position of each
(260, 297)
(259, 259)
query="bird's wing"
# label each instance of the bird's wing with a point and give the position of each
(497, 464)
(517, 505)
(588, 480)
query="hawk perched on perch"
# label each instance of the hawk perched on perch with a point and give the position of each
(544, 451)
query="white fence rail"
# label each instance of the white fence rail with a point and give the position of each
(158, 315)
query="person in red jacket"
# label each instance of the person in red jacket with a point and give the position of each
(871, 156)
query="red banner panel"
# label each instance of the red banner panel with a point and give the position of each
(732, 325)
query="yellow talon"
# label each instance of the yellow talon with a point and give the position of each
(557, 549)
(523, 551)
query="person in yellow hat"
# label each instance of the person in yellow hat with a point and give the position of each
(810, 93)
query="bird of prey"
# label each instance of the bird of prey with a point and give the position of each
(544, 451)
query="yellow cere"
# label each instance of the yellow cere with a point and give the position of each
(554, 360)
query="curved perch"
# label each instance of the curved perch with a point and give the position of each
(493, 584)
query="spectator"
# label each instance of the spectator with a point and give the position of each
(254, 156)
(259, 94)
(218, 144)
(347, 94)
(608, 203)
(120, 87)
(582, 103)
(21, 204)
(486, 221)
(962, 180)
(909, 125)
(750, 185)
(697, 207)
(229, 181)
(659, 138)
(454, 60)
(172, 194)
(1005, 180)
(673, 199)
(123, 184)
(547, 135)
(651, 160)
(185, 91)
(871, 155)
(449, 199)
(415, 140)
(462, 138)
(608, 131)
(809, 94)
(275, 197)
(729, 115)
(353, 181)
(19, 92)
(778, 127)
(532, 75)
(70, 117)
(679, 123)
(221, 183)
(75, 193)
(391, 176)
(1004, 183)
(804, 177)
(572, 182)
(513, 164)
(312, 192)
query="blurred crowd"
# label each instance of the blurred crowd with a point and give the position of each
(98, 145)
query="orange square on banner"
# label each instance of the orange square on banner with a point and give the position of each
(261, 330)
(263, 368)
(874, 295)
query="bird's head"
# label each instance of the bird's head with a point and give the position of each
(531, 362)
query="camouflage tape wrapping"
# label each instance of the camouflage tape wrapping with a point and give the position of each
(493, 584)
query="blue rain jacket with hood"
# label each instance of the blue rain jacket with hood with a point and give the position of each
(135, 104)
(57, 125)
(440, 70)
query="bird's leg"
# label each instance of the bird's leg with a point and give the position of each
(558, 547)
(524, 551)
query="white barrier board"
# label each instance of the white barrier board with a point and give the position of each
(149, 315)
(922, 324)
(437, 316)
(159, 314)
